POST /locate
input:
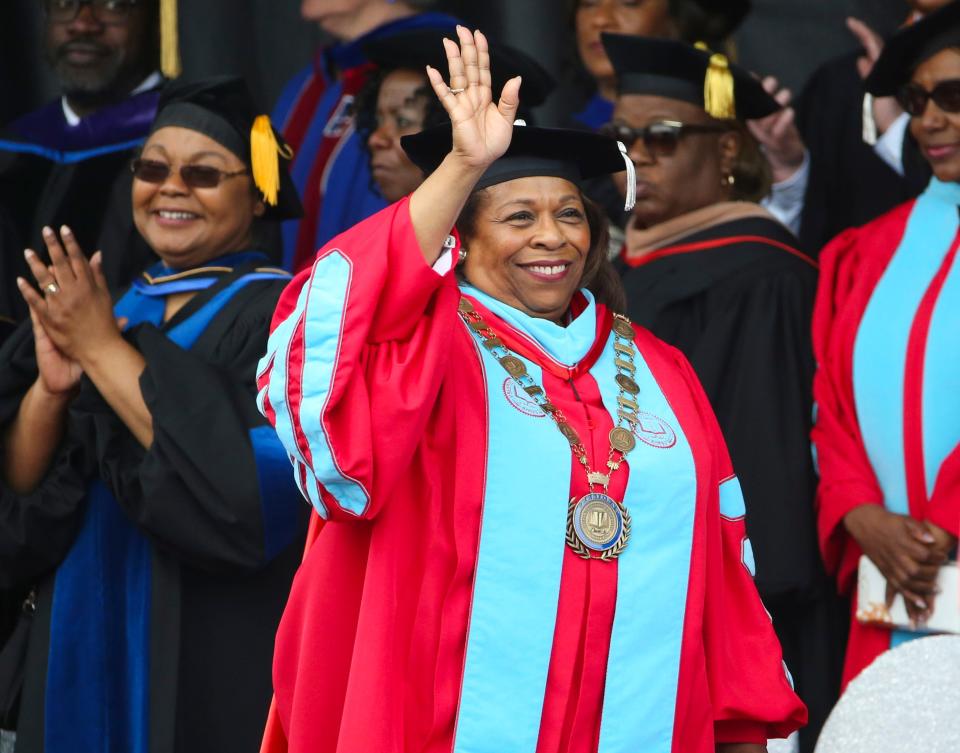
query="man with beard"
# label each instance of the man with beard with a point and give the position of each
(66, 163)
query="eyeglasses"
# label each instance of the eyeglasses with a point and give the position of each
(193, 176)
(660, 139)
(946, 95)
(105, 11)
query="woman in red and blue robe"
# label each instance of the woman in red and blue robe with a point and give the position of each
(440, 607)
(887, 431)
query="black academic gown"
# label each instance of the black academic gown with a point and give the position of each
(11, 263)
(51, 174)
(739, 309)
(224, 539)
(849, 184)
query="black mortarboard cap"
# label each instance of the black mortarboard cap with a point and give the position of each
(554, 152)
(912, 45)
(722, 17)
(668, 68)
(417, 48)
(222, 109)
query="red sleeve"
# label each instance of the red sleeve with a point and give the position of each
(846, 476)
(750, 690)
(944, 506)
(355, 361)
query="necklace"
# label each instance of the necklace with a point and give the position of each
(598, 526)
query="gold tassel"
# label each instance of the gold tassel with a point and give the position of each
(170, 64)
(718, 98)
(265, 153)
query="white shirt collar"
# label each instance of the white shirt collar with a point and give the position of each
(150, 82)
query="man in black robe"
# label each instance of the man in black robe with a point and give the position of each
(67, 163)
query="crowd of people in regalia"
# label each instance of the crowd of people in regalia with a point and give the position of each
(397, 416)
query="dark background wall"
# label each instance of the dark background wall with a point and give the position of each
(267, 41)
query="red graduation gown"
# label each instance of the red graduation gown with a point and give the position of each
(394, 419)
(853, 267)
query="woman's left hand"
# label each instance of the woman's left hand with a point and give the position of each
(482, 128)
(75, 308)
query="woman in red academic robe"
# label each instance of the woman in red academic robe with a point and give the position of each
(887, 432)
(534, 538)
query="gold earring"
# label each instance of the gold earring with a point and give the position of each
(728, 180)
(462, 256)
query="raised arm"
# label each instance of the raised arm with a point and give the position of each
(481, 134)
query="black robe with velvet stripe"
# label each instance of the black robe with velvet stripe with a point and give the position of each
(736, 298)
(225, 544)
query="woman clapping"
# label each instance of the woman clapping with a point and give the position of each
(143, 495)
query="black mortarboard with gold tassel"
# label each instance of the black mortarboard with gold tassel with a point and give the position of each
(222, 109)
(676, 70)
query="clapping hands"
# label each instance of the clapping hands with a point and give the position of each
(72, 313)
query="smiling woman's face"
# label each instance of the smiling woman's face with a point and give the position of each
(529, 245)
(188, 226)
(938, 132)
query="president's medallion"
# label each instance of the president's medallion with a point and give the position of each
(597, 524)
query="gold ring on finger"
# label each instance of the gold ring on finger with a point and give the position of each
(456, 91)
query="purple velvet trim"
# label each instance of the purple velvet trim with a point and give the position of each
(126, 121)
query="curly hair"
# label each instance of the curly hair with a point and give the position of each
(599, 275)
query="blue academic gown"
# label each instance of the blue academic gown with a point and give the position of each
(331, 167)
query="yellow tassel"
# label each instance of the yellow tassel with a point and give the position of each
(170, 64)
(718, 98)
(265, 153)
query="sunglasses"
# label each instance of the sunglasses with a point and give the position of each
(105, 11)
(660, 139)
(946, 95)
(193, 176)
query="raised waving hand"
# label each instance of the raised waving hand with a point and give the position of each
(481, 129)
(481, 134)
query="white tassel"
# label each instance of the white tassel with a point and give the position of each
(870, 133)
(631, 179)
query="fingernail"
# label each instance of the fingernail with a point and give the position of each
(928, 538)
(47, 230)
(920, 603)
(64, 230)
(28, 253)
(21, 282)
